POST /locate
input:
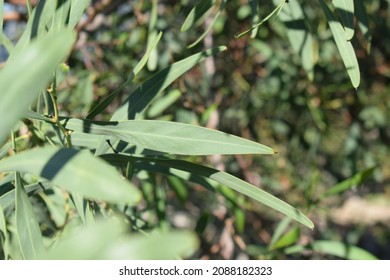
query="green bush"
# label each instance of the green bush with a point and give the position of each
(104, 162)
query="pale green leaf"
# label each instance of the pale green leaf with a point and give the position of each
(345, 47)
(220, 177)
(341, 250)
(60, 16)
(163, 103)
(27, 74)
(75, 171)
(77, 9)
(4, 243)
(27, 226)
(346, 10)
(170, 137)
(89, 243)
(139, 99)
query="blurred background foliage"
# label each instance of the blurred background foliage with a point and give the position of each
(324, 131)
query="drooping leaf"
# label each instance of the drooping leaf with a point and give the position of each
(222, 178)
(75, 171)
(346, 10)
(345, 47)
(27, 226)
(342, 250)
(170, 137)
(25, 75)
(140, 99)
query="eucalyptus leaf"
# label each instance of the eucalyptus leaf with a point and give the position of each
(170, 137)
(346, 10)
(67, 168)
(196, 14)
(27, 226)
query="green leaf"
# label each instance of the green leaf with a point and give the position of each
(89, 243)
(61, 15)
(222, 178)
(346, 10)
(139, 99)
(27, 226)
(279, 230)
(1, 20)
(341, 250)
(170, 137)
(355, 180)
(26, 74)
(158, 106)
(152, 34)
(196, 14)
(77, 9)
(108, 100)
(345, 47)
(67, 168)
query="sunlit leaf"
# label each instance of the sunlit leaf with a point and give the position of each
(27, 226)
(67, 168)
(170, 137)
(222, 178)
(26, 74)
(346, 10)
(196, 14)
(345, 47)
(77, 9)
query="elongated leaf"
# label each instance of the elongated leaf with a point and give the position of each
(355, 180)
(341, 250)
(75, 171)
(170, 137)
(26, 74)
(27, 226)
(280, 229)
(138, 100)
(346, 10)
(152, 33)
(90, 244)
(224, 179)
(163, 103)
(196, 14)
(61, 15)
(345, 47)
(287, 239)
(107, 101)
(77, 9)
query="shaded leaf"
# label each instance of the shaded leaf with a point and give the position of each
(75, 171)
(363, 23)
(170, 137)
